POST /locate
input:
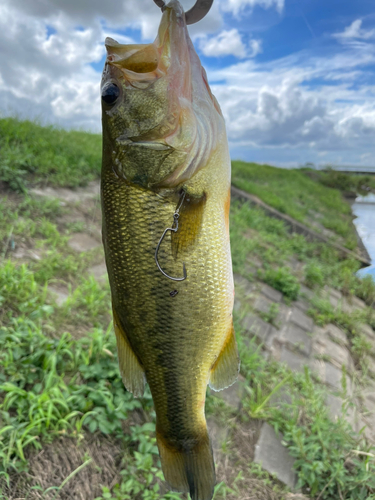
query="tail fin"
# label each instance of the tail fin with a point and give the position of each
(190, 467)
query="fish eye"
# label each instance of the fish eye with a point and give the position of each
(110, 93)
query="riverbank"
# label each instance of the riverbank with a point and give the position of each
(304, 324)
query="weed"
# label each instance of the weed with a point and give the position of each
(89, 300)
(292, 192)
(314, 275)
(329, 462)
(361, 347)
(283, 280)
(344, 182)
(271, 315)
(141, 476)
(58, 265)
(19, 291)
(365, 289)
(59, 157)
(40, 401)
(76, 227)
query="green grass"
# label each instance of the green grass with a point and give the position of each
(58, 365)
(293, 193)
(330, 459)
(354, 183)
(33, 154)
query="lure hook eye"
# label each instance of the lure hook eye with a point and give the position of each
(196, 13)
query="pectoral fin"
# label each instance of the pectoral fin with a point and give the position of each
(132, 373)
(225, 370)
(190, 223)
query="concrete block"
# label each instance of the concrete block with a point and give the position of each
(99, 272)
(284, 314)
(294, 360)
(302, 305)
(301, 320)
(334, 405)
(274, 334)
(243, 284)
(232, 396)
(82, 242)
(262, 304)
(333, 377)
(306, 292)
(218, 434)
(237, 304)
(297, 337)
(256, 326)
(336, 334)
(59, 294)
(334, 301)
(347, 307)
(274, 457)
(368, 394)
(281, 397)
(368, 331)
(333, 292)
(340, 355)
(271, 293)
(318, 368)
(358, 303)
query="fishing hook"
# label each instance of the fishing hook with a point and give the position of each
(196, 13)
(174, 228)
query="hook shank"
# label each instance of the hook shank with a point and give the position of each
(174, 228)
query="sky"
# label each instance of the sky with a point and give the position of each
(295, 78)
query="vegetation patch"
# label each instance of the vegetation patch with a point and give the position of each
(292, 192)
(31, 153)
(69, 429)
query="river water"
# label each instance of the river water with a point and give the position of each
(364, 209)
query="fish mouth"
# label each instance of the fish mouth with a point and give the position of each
(152, 145)
(141, 58)
(153, 59)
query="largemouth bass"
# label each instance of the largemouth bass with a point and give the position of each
(165, 152)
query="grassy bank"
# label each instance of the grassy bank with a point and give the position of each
(317, 204)
(32, 153)
(68, 428)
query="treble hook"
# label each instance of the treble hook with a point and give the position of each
(174, 228)
(196, 13)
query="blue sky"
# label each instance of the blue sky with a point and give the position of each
(295, 78)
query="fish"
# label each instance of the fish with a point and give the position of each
(166, 163)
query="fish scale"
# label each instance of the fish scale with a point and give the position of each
(176, 335)
(149, 315)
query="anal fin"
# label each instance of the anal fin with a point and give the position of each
(132, 373)
(225, 370)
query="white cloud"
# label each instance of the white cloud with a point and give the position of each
(236, 6)
(139, 14)
(255, 47)
(46, 48)
(46, 51)
(271, 105)
(229, 43)
(355, 31)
